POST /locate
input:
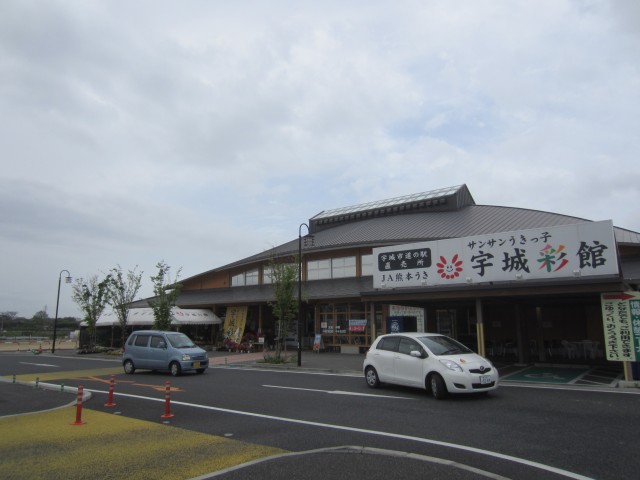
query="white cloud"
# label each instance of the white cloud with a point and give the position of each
(204, 132)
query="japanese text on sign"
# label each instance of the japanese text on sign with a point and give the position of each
(585, 249)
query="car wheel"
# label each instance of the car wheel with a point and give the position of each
(200, 370)
(129, 368)
(438, 387)
(371, 376)
(175, 369)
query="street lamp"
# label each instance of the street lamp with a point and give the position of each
(67, 279)
(300, 289)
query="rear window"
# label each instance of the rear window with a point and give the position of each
(157, 342)
(389, 343)
(141, 340)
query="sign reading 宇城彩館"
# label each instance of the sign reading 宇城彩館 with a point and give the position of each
(585, 249)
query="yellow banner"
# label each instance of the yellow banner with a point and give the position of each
(234, 323)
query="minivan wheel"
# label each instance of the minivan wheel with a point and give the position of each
(175, 369)
(129, 368)
(438, 387)
(371, 376)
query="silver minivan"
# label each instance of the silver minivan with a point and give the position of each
(158, 350)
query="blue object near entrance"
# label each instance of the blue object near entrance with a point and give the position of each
(397, 324)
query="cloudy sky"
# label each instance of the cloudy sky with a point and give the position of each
(202, 132)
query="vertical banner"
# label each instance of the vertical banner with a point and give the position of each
(318, 344)
(234, 323)
(621, 317)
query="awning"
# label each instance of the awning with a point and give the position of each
(144, 316)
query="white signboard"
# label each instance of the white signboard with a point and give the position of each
(621, 318)
(586, 249)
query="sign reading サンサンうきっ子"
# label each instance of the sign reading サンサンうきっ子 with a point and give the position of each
(621, 318)
(585, 249)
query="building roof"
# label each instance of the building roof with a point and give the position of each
(316, 290)
(440, 214)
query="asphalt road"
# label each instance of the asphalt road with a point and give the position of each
(330, 424)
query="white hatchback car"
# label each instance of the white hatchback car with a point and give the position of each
(431, 361)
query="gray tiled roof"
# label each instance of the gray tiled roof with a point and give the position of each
(425, 226)
(316, 290)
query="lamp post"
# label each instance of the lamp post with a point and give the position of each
(300, 291)
(67, 279)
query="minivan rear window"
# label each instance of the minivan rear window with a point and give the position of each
(142, 340)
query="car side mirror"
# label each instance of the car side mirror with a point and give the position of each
(162, 345)
(418, 354)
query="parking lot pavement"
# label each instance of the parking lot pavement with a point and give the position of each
(577, 375)
(107, 445)
(20, 398)
(42, 439)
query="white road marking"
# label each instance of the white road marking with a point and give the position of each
(488, 453)
(40, 364)
(571, 388)
(337, 392)
(355, 449)
(259, 368)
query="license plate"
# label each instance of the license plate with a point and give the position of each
(196, 364)
(485, 379)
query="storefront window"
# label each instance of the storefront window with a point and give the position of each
(245, 278)
(251, 277)
(345, 324)
(343, 267)
(342, 325)
(318, 269)
(366, 264)
(327, 322)
(267, 277)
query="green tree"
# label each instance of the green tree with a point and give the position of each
(92, 297)
(123, 289)
(166, 293)
(39, 323)
(8, 317)
(284, 278)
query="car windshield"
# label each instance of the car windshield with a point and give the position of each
(441, 345)
(180, 340)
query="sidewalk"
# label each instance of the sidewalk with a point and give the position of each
(9, 345)
(311, 361)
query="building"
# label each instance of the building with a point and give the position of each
(516, 314)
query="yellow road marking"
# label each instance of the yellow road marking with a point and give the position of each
(45, 445)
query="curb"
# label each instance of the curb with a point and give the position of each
(47, 386)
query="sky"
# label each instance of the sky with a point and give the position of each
(201, 132)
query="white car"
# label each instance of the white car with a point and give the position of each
(437, 363)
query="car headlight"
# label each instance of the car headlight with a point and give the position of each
(186, 357)
(451, 365)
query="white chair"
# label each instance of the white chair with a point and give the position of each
(570, 350)
(590, 348)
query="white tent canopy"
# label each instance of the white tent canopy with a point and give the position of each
(144, 316)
